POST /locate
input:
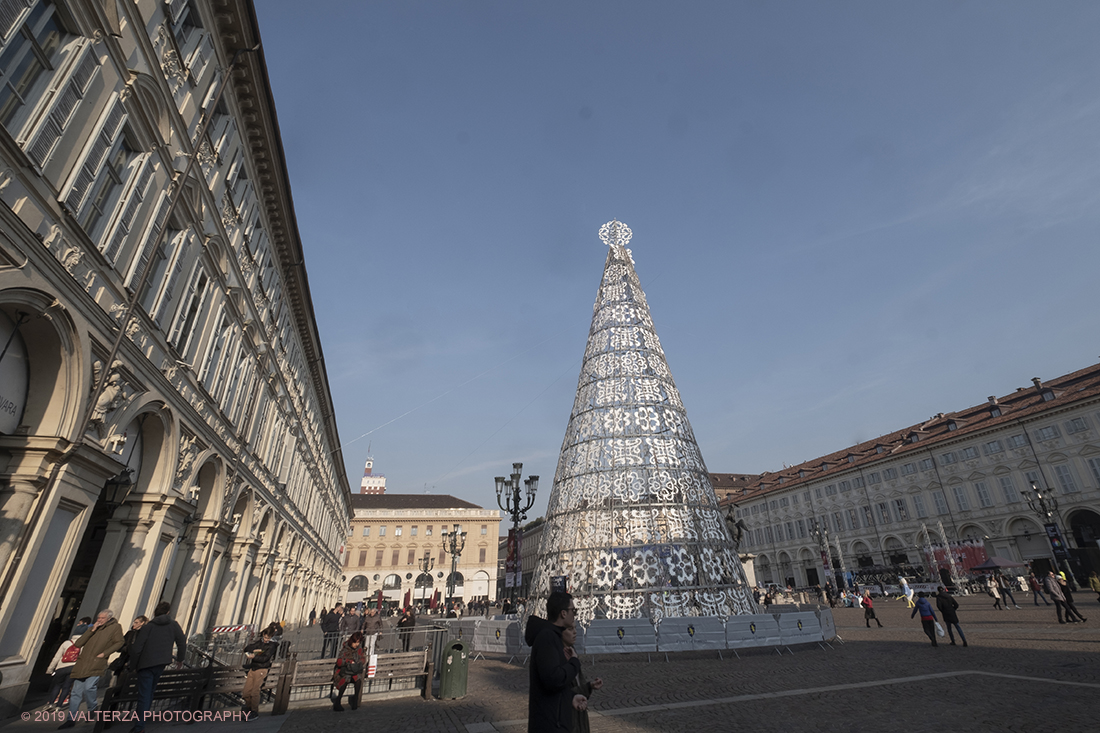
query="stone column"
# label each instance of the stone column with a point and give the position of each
(16, 500)
(245, 570)
(258, 589)
(97, 597)
(189, 576)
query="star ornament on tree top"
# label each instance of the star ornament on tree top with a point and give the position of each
(616, 235)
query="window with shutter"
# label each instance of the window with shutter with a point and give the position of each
(193, 302)
(152, 244)
(235, 369)
(36, 45)
(213, 354)
(129, 209)
(11, 12)
(175, 267)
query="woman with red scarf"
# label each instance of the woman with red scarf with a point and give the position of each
(349, 668)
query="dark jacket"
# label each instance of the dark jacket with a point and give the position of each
(264, 654)
(948, 606)
(331, 623)
(550, 702)
(154, 642)
(123, 659)
(924, 608)
(407, 620)
(105, 640)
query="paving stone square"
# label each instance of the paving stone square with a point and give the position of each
(1022, 671)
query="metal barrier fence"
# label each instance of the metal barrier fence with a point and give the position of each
(782, 626)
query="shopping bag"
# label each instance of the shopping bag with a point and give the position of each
(939, 629)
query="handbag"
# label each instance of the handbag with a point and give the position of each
(939, 629)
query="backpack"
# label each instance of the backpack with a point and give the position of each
(71, 655)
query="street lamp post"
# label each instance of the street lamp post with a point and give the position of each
(426, 564)
(821, 534)
(1045, 506)
(453, 544)
(515, 506)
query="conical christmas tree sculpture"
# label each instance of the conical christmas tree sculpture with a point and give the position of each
(633, 522)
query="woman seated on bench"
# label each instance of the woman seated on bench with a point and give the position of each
(349, 668)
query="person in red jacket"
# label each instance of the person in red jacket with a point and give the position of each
(869, 609)
(350, 666)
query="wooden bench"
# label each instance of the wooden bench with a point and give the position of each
(402, 665)
(306, 673)
(174, 684)
(230, 681)
(390, 667)
(190, 685)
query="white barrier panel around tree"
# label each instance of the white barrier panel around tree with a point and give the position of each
(498, 637)
(748, 631)
(799, 628)
(828, 626)
(617, 636)
(679, 634)
(462, 628)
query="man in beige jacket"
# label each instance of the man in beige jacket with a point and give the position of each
(96, 644)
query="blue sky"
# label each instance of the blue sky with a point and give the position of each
(847, 217)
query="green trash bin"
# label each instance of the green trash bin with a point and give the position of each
(453, 670)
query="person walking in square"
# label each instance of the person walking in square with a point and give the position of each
(330, 625)
(1070, 606)
(1094, 583)
(150, 653)
(927, 616)
(119, 667)
(582, 686)
(61, 666)
(869, 609)
(99, 642)
(1004, 585)
(906, 592)
(1036, 589)
(1054, 590)
(554, 667)
(405, 625)
(949, 608)
(993, 591)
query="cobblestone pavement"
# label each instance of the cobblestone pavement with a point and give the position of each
(1022, 671)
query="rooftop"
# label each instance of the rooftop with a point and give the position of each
(945, 427)
(409, 501)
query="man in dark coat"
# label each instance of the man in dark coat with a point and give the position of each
(405, 626)
(331, 626)
(949, 607)
(553, 667)
(151, 652)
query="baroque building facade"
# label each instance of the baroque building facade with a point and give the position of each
(950, 490)
(391, 534)
(166, 425)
